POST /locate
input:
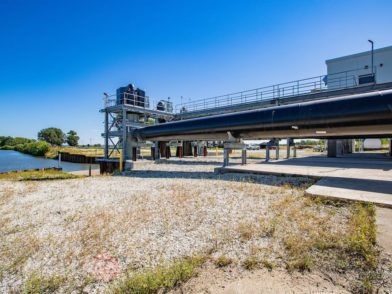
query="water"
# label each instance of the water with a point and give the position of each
(13, 160)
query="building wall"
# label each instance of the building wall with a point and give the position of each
(360, 64)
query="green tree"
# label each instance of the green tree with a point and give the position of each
(53, 136)
(72, 138)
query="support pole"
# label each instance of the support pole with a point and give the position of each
(167, 152)
(294, 150)
(277, 150)
(288, 148)
(267, 152)
(121, 160)
(390, 147)
(124, 134)
(134, 153)
(106, 143)
(195, 151)
(243, 156)
(156, 149)
(225, 157)
(59, 162)
(180, 152)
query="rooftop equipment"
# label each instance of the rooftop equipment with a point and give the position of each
(131, 95)
(165, 105)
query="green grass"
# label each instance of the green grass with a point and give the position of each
(160, 278)
(39, 284)
(40, 175)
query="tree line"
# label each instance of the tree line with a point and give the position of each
(46, 138)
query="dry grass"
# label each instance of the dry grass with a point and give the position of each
(223, 261)
(16, 251)
(246, 231)
(150, 224)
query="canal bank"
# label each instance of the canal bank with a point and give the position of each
(13, 160)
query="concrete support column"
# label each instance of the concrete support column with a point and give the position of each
(390, 147)
(134, 153)
(288, 148)
(156, 149)
(243, 156)
(332, 148)
(195, 151)
(294, 150)
(205, 152)
(180, 152)
(277, 150)
(167, 153)
(267, 152)
(225, 157)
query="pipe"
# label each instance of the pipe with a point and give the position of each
(368, 114)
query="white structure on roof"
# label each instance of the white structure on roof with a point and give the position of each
(358, 67)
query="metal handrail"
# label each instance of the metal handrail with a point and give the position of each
(337, 81)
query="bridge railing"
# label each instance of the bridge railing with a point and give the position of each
(316, 84)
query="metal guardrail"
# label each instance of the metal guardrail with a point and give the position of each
(324, 83)
(312, 85)
(128, 99)
(144, 102)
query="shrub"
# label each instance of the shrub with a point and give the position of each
(250, 262)
(160, 278)
(34, 148)
(223, 261)
(38, 284)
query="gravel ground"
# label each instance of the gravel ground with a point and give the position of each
(154, 214)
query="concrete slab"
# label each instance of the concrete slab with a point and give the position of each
(384, 228)
(377, 192)
(361, 177)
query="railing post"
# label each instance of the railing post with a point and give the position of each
(346, 79)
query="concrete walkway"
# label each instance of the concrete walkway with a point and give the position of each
(384, 228)
(362, 177)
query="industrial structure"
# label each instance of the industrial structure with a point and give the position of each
(353, 100)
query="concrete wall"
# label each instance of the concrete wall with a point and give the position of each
(360, 64)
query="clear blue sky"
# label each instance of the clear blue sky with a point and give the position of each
(58, 57)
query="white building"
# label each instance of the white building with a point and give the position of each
(356, 69)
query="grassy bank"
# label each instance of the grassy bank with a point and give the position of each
(38, 148)
(38, 175)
